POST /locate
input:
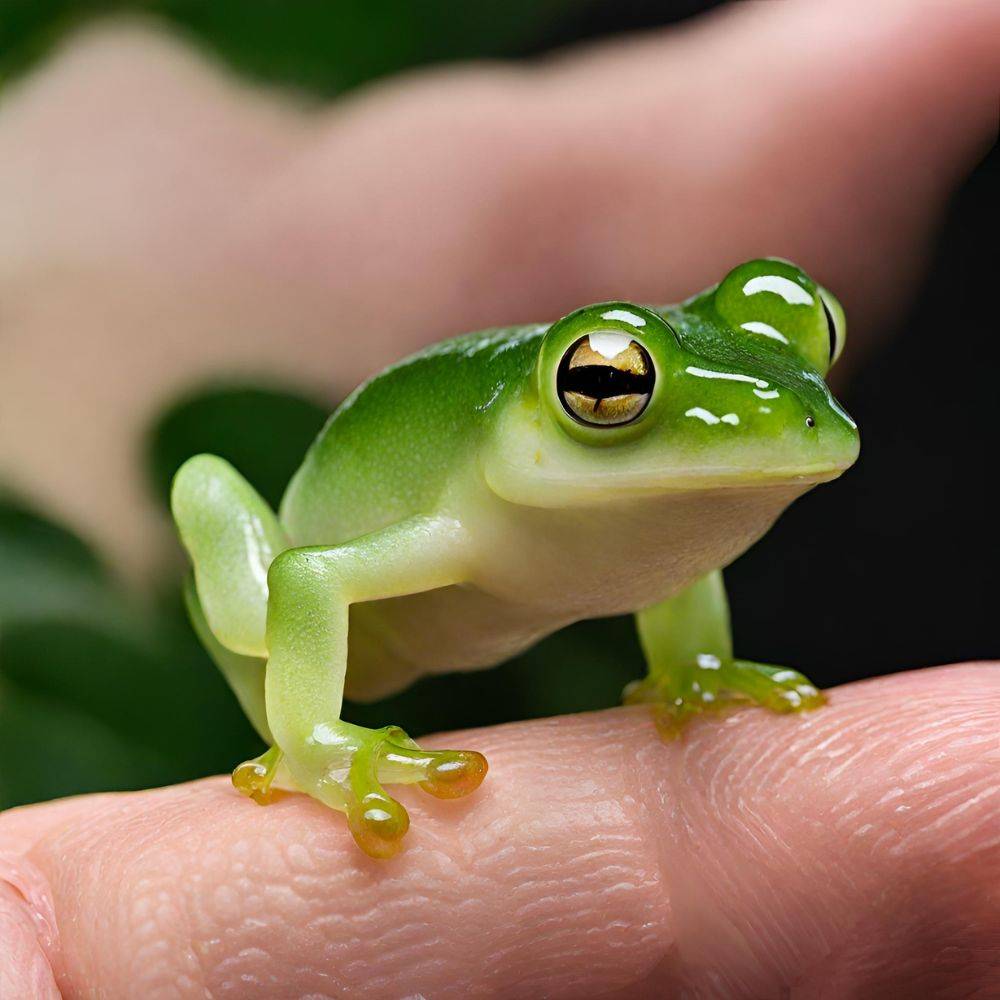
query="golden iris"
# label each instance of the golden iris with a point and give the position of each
(604, 391)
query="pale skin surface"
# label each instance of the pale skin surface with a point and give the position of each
(711, 862)
(783, 896)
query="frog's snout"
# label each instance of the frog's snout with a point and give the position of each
(832, 434)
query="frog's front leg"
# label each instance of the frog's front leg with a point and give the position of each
(689, 652)
(342, 765)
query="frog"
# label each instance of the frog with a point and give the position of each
(496, 487)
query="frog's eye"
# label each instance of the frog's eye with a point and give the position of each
(836, 324)
(605, 379)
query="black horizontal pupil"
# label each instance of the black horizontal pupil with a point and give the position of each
(603, 381)
(831, 328)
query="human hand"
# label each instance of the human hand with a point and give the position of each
(850, 852)
(164, 224)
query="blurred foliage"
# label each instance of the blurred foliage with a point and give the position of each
(86, 708)
(263, 430)
(44, 569)
(320, 45)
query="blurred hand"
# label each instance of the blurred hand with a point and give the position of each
(853, 852)
(163, 223)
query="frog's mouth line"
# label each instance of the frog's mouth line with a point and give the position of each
(735, 478)
(722, 477)
(572, 491)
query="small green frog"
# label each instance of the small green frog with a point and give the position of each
(496, 487)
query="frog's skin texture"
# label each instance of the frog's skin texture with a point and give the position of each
(496, 487)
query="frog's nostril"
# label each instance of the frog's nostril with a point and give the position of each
(810, 422)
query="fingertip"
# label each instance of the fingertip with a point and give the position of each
(24, 967)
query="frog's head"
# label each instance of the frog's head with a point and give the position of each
(726, 390)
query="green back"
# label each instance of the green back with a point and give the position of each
(387, 452)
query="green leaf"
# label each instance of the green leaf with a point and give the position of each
(264, 433)
(46, 570)
(48, 749)
(85, 709)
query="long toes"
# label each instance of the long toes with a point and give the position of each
(377, 821)
(446, 774)
(799, 698)
(455, 773)
(373, 758)
(378, 824)
(738, 683)
(792, 692)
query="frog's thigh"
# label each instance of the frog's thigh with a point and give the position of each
(688, 647)
(311, 590)
(232, 536)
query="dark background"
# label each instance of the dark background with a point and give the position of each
(889, 568)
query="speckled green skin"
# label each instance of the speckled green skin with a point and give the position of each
(452, 511)
(431, 412)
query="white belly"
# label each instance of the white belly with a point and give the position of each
(537, 570)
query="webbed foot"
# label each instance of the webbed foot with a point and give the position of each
(713, 684)
(350, 773)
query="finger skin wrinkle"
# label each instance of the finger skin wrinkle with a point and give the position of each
(808, 842)
(744, 860)
(290, 892)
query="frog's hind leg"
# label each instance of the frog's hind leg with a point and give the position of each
(253, 597)
(232, 537)
(689, 651)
